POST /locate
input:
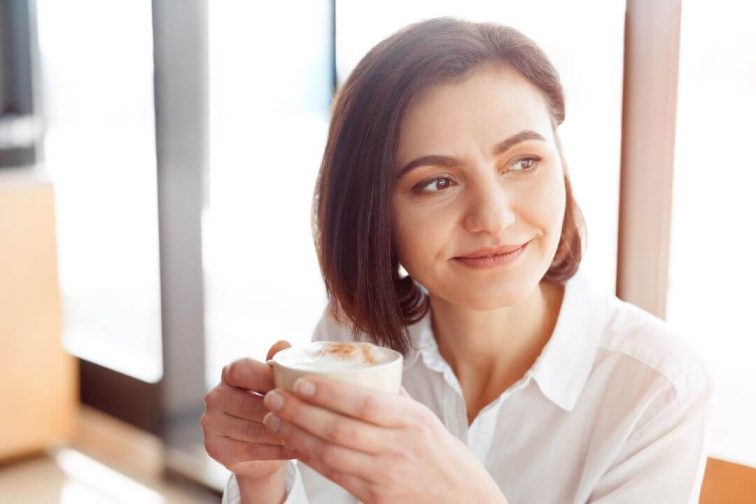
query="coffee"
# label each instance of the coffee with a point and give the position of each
(354, 362)
(325, 355)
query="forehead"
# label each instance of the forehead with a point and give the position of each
(486, 107)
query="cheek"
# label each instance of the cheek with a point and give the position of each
(542, 207)
(407, 242)
(416, 231)
(552, 203)
(549, 197)
(399, 234)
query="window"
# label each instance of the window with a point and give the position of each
(270, 89)
(99, 149)
(711, 294)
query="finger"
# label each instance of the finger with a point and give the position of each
(277, 347)
(332, 457)
(374, 406)
(248, 374)
(236, 402)
(330, 426)
(231, 452)
(238, 429)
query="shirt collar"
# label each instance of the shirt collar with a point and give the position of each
(423, 345)
(565, 363)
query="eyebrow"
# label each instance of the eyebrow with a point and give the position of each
(448, 161)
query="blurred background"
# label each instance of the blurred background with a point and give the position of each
(157, 162)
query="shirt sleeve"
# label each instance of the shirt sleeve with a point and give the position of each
(304, 485)
(321, 490)
(663, 460)
(295, 493)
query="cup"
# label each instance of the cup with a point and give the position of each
(359, 363)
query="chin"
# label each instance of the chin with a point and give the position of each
(490, 292)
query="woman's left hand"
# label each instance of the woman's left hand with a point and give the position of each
(377, 446)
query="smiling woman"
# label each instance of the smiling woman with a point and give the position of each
(521, 381)
(492, 202)
(359, 170)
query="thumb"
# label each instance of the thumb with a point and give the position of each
(277, 347)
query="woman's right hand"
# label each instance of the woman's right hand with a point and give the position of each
(232, 422)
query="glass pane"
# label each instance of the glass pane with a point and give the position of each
(270, 85)
(711, 298)
(591, 133)
(99, 149)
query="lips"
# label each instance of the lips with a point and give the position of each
(491, 251)
(498, 257)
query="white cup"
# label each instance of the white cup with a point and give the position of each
(358, 363)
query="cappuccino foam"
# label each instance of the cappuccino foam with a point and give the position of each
(329, 355)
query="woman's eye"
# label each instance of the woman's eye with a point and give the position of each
(524, 164)
(439, 184)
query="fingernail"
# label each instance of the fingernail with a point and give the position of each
(272, 422)
(269, 362)
(304, 387)
(273, 400)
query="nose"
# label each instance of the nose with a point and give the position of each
(489, 209)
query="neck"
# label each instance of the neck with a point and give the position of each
(490, 350)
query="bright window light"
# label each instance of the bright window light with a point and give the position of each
(711, 295)
(93, 482)
(99, 150)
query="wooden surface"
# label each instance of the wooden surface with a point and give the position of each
(728, 483)
(106, 461)
(38, 390)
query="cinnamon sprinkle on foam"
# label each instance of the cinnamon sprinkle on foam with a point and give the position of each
(346, 351)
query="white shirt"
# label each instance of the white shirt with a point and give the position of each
(613, 410)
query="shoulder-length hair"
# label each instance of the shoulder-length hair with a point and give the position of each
(351, 216)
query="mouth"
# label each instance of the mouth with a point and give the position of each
(493, 257)
(489, 252)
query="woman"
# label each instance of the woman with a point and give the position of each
(521, 382)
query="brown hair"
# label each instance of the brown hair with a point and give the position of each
(352, 201)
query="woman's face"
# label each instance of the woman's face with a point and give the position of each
(497, 180)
